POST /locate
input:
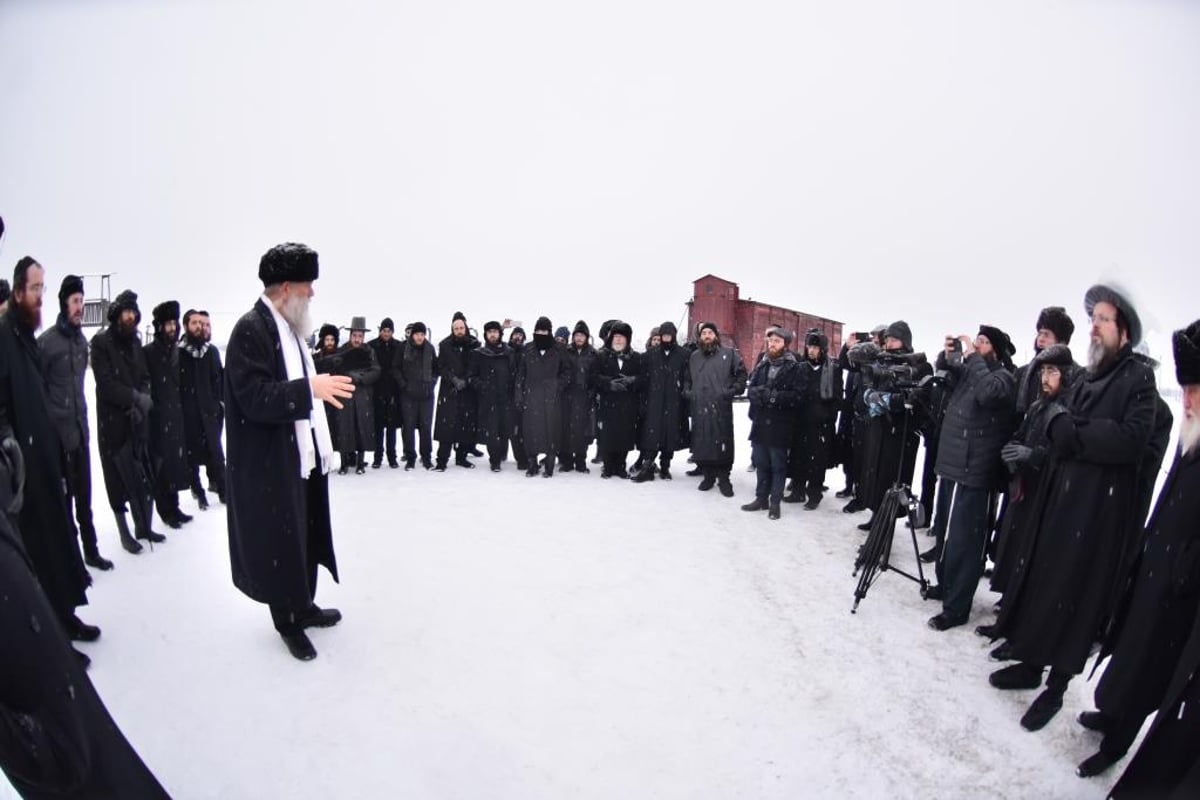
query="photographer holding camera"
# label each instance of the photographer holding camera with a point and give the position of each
(977, 424)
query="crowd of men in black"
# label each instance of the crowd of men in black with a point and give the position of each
(1048, 470)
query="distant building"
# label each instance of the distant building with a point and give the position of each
(743, 323)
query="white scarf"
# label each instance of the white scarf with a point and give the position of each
(299, 364)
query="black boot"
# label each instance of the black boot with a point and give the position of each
(795, 496)
(130, 544)
(723, 484)
(755, 505)
(549, 468)
(1095, 721)
(581, 464)
(773, 512)
(360, 462)
(813, 501)
(92, 557)
(664, 470)
(201, 499)
(1043, 708)
(1017, 676)
(710, 477)
(646, 473)
(847, 492)
(1096, 764)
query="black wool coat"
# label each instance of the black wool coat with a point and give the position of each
(274, 514)
(491, 375)
(64, 361)
(1155, 616)
(386, 390)
(457, 410)
(542, 375)
(773, 402)
(1068, 576)
(356, 417)
(201, 390)
(813, 443)
(168, 439)
(57, 740)
(617, 414)
(664, 421)
(978, 421)
(418, 371)
(577, 399)
(49, 536)
(119, 367)
(713, 380)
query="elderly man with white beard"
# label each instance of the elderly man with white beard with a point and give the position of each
(280, 451)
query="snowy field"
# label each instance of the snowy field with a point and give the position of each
(513, 637)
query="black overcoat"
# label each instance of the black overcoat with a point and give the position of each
(663, 419)
(386, 391)
(356, 417)
(577, 399)
(201, 390)
(541, 377)
(813, 442)
(119, 368)
(713, 380)
(43, 522)
(616, 417)
(456, 409)
(1067, 578)
(773, 411)
(168, 442)
(270, 507)
(491, 377)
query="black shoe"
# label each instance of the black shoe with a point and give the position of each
(361, 469)
(344, 469)
(475, 453)
(183, 518)
(644, 474)
(548, 471)
(1017, 676)
(694, 471)
(1002, 652)
(409, 463)
(377, 463)
(85, 661)
(621, 472)
(495, 466)
(393, 464)
(853, 507)
(844, 493)
(151, 536)
(597, 460)
(931, 555)
(441, 467)
(80, 631)
(1096, 764)
(462, 462)
(566, 466)
(170, 520)
(426, 463)
(664, 473)
(201, 499)
(756, 505)
(944, 622)
(533, 470)
(866, 526)
(1042, 710)
(318, 617)
(1096, 721)
(773, 513)
(130, 544)
(935, 593)
(706, 484)
(299, 645)
(605, 473)
(794, 497)
(986, 631)
(97, 561)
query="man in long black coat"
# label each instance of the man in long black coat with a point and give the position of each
(65, 357)
(42, 520)
(542, 374)
(516, 344)
(168, 443)
(812, 449)
(386, 394)
(123, 421)
(201, 390)
(664, 371)
(617, 381)
(57, 740)
(715, 376)
(774, 390)
(455, 425)
(577, 400)
(491, 376)
(418, 375)
(354, 431)
(280, 451)
(1062, 592)
(1161, 603)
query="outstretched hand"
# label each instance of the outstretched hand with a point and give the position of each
(329, 388)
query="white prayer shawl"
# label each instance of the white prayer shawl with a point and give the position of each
(297, 360)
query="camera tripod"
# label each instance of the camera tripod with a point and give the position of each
(874, 557)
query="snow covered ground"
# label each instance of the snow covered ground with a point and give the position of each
(513, 637)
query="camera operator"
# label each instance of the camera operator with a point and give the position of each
(977, 423)
(894, 415)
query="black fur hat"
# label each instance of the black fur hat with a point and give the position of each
(492, 325)
(164, 312)
(125, 300)
(418, 327)
(1186, 344)
(582, 327)
(815, 338)
(72, 284)
(622, 328)
(288, 262)
(329, 330)
(1056, 320)
(543, 324)
(668, 329)
(1001, 342)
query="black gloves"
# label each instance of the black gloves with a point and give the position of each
(458, 383)
(758, 394)
(1014, 454)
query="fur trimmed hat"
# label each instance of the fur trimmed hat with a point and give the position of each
(517, 330)
(329, 330)
(1057, 355)
(582, 327)
(289, 261)
(668, 328)
(1186, 344)
(1119, 299)
(492, 325)
(899, 330)
(1056, 320)
(126, 300)
(418, 327)
(543, 324)
(72, 284)
(622, 328)
(1001, 342)
(815, 338)
(164, 312)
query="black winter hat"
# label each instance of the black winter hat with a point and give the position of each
(815, 338)
(606, 329)
(517, 330)
(387, 324)
(289, 261)
(1186, 344)
(543, 324)
(72, 284)
(711, 326)
(622, 328)
(125, 300)
(329, 330)
(582, 327)
(899, 330)
(668, 329)
(1056, 320)
(164, 312)
(1001, 342)
(1058, 355)
(1119, 298)
(492, 325)
(418, 327)
(457, 316)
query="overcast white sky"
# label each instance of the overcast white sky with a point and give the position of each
(945, 162)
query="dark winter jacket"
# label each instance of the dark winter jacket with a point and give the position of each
(278, 522)
(542, 375)
(356, 418)
(387, 356)
(813, 441)
(617, 380)
(774, 400)
(977, 423)
(578, 399)
(418, 370)
(201, 389)
(457, 405)
(663, 420)
(491, 376)
(64, 360)
(713, 380)
(168, 443)
(120, 371)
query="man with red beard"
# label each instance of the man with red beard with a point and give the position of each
(42, 519)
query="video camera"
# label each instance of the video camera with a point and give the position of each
(890, 372)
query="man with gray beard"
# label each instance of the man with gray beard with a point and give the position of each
(1064, 586)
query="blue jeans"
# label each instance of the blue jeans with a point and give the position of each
(770, 464)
